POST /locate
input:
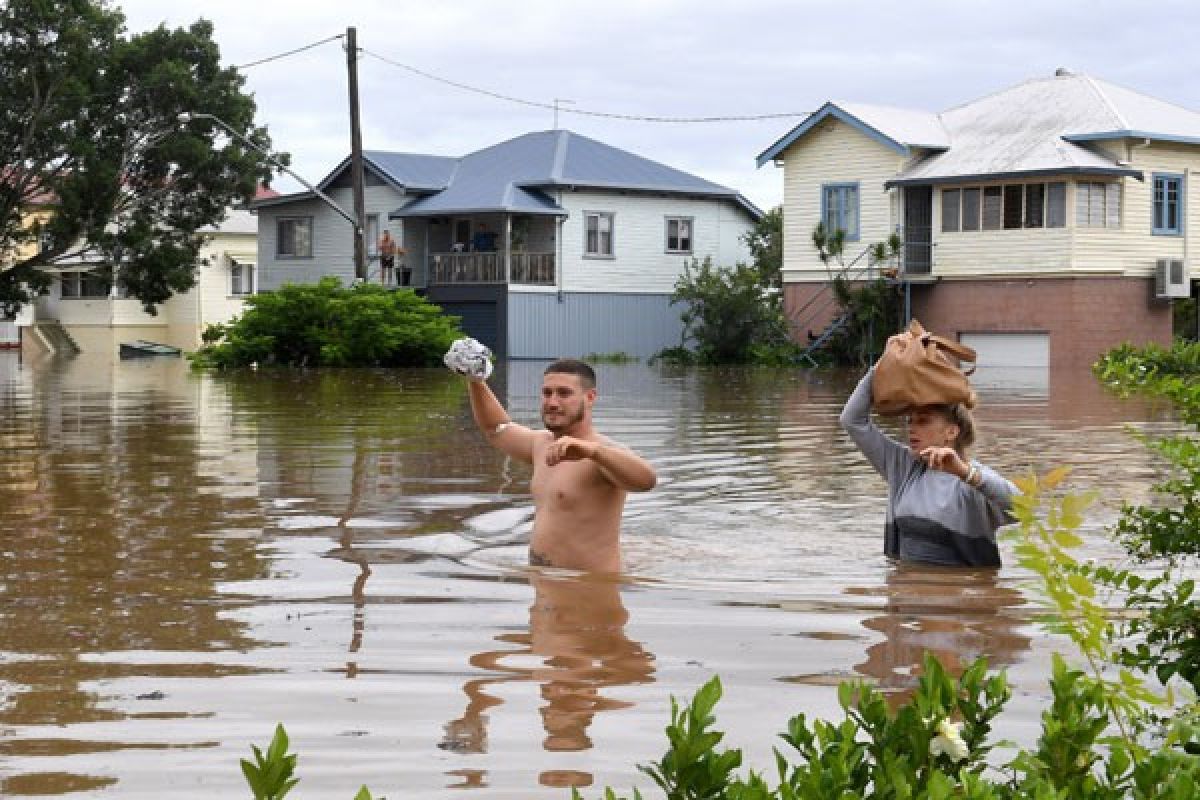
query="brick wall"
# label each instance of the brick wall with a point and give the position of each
(1084, 316)
(805, 314)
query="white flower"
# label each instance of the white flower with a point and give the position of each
(948, 742)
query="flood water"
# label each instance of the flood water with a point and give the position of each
(190, 559)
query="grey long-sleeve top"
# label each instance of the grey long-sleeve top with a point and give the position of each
(932, 516)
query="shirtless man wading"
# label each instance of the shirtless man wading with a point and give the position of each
(579, 477)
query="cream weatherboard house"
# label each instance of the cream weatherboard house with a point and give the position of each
(550, 244)
(95, 317)
(1041, 224)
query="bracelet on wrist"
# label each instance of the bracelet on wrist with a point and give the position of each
(972, 478)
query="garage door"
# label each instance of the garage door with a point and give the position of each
(1009, 349)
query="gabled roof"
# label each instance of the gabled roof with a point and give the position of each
(514, 176)
(1039, 127)
(897, 128)
(408, 172)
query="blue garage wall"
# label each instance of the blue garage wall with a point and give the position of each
(543, 326)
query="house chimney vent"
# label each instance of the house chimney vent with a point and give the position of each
(1063, 72)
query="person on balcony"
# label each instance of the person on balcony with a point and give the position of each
(943, 508)
(387, 258)
(484, 240)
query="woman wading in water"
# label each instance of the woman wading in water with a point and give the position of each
(942, 507)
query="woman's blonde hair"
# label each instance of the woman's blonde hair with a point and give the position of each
(960, 414)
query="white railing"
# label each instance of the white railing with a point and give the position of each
(459, 268)
(533, 268)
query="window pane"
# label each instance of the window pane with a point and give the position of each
(1160, 203)
(950, 210)
(304, 238)
(1112, 209)
(1173, 204)
(831, 210)
(593, 235)
(850, 211)
(1083, 195)
(373, 235)
(92, 285)
(70, 284)
(970, 209)
(685, 235)
(235, 279)
(285, 239)
(1096, 206)
(1012, 206)
(992, 203)
(1056, 206)
(1035, 202)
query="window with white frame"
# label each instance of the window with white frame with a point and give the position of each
(1168, 205)
(1097, 205)
(84, 285)
(679, 235)
(993, 208)
(293, 237)
(598, 234)
(241, 277)
(373, 235)
(839, 209)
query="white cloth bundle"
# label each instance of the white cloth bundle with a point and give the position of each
(468, 357)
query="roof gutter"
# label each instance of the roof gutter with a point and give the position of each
(999, 176)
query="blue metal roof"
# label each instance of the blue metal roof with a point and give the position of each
(511, 176)
(413, 171)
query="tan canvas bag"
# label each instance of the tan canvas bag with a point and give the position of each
(920, 369)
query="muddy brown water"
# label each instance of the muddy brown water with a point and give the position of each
(190, 559)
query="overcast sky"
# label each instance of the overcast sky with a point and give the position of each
(662, 58)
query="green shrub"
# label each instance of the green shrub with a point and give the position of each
(729, 317)
(1163, 633)
(326, 325)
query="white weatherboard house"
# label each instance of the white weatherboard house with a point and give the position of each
(550, 244)
(1042, 224)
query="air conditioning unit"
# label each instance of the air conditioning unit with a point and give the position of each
(1171, 279)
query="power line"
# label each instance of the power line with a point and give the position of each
(290, 52)
(584, 112)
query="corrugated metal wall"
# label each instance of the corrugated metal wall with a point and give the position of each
(583, 323)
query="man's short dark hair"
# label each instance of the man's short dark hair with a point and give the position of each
(573, 366)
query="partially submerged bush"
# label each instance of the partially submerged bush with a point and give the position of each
(327, 325)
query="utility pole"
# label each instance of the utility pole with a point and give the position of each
(356, 159)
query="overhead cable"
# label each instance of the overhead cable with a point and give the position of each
(290, 52)
(583, 112)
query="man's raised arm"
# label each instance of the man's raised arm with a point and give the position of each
(493, 421)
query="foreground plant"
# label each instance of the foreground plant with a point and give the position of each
(1163, 637)
(270, 775)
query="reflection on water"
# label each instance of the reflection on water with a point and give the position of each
(575, 647)
(189, 559)
(958, 615)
